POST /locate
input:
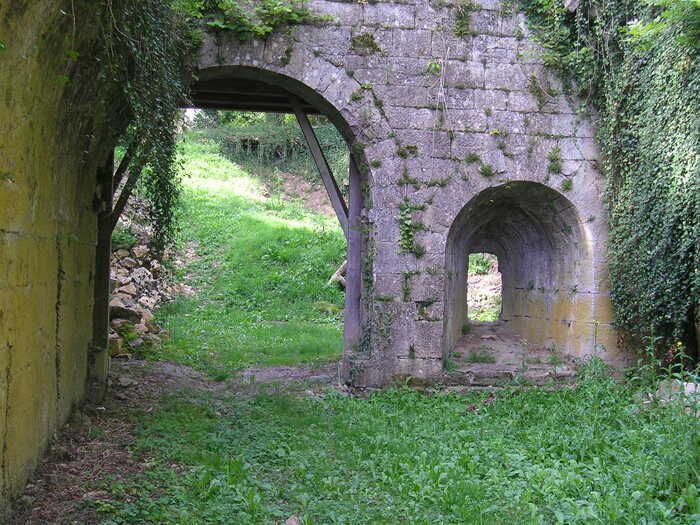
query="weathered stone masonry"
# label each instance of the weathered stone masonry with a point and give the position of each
(463, 144)
(473, 140)
(47, 228)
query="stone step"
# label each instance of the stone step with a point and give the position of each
(503, 375)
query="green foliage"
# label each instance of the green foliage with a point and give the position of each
(471, 158)
(365, 43)
(410, 150)
(486, 170)
(480, 356)
(123, 238)
(463, 17)
(589, 454)
(407, 180)
(433, 68)
(567, 185)
(638, 63)
(260, 273)
(408, 226)
(466, 328)
(145, 45)
(247, 19)
(554, 158)
(480, 263)
(536, 91)
(270, 145)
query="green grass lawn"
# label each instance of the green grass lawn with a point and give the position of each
(585, 456)
(260, 273)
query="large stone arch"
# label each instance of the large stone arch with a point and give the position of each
(436, 120)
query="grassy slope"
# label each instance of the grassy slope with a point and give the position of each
(261, 270)
(585, 456)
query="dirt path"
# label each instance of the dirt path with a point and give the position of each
(96, 445)
(313, 195)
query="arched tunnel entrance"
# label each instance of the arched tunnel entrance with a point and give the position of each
(250, 89)
(536, 235)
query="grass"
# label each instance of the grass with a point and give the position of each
(260, 274)
(487, 312)
(576, 456)
(480, 356)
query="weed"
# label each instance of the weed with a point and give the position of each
(409, 150)
(407, 180)
(357, 95)
(487, 170)
(365, 43)
(466, 328)
(480, 356)
(567, 185)
(536, 91)
(463, 17)
(433, 68)
(471, 158)
(554, 158)
(123, 238)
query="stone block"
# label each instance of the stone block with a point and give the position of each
(390, 15)
(463, 74)
(508, 77)
(410, 43)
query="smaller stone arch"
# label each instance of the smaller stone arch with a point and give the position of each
(540, 242)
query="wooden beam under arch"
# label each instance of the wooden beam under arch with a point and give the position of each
(337, 200)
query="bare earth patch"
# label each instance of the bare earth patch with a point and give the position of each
(313, 195)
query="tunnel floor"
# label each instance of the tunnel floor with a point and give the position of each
(491, 355)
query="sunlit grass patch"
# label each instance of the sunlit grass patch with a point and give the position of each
(262, 265)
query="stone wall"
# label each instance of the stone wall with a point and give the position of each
(47, 227)
(437, 120)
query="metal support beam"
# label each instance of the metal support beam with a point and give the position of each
(337, 201)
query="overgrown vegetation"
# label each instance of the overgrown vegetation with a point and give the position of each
(259, 273)
(247, 19)
(637, 62)
(591, 454)
(145, 46)
(270, 145)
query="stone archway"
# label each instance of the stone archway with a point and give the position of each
(538, 237)
(249, 88)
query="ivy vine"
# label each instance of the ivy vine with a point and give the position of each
(637, 62)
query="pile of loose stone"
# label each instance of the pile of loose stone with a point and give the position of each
(139, 283)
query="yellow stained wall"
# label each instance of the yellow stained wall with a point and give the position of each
(47, 228)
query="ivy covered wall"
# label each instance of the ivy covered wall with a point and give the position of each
(637, 64)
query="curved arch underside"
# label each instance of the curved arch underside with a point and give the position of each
(537, 236)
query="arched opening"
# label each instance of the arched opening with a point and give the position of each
(536, 236)
(484, 288)
(242, 88)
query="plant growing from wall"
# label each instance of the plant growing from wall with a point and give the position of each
(408, 226)
(463, 17)
(637, 62)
